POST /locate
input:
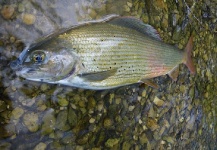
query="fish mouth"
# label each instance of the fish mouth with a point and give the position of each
(15, 65)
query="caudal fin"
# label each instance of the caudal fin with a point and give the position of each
(187, 60)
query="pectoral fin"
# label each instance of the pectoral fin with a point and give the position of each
(97, 76)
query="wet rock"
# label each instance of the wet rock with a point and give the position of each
(3, 106)
(30, 120)
(92, 120)
(17, 113)
(91, 103)
(107, 123)
(7, 11)
(63, 101)
(21, 7)
(152, 124)
(92, 13)
(158, 101)
(83, 139)
(151, 112)
(143, 138)
(44, 87)
(68, 138)
(72, 117)
(40, 146)
(28, 19)
(61, 121)
(169, 139)
(56, 145)
(5, 146)
(7, 130)
(12, 40)
(49, 121)
(126, 145)
(112, 142)
(176, 33)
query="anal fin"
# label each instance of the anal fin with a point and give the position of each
(173, 74)
(150, 83)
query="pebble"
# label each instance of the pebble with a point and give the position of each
(107, 123)
(12, 39)
(40, 146)
(7, 11)
(3, 106)
(44, 87)
(49, 121)
(63, 102)
(131, 108)
(30, 120)
(112, 142)
(143, 93)
(72, 117)
(158, 101)
(28, 19)
(61, 120)
(92, 120)
(152, 124)
(143, 138)
(21, 7)
(17, 113)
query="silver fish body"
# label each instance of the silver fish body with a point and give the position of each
(102, 56)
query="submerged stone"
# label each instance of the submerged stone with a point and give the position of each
(30, 120)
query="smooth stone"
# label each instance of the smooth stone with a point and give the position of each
(31, 121)
(7, 11)
(28, 19)
(40, 146)
(49, 121)
(17, 113)
(112, 142)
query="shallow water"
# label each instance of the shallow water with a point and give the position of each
(178, 115)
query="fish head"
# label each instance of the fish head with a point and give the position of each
(47, 65)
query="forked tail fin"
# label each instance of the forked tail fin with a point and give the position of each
(187, 58)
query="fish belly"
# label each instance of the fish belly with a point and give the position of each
(136, 56)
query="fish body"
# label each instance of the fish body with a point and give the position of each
(103, 55)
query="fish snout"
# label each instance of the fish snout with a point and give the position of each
(15, 65)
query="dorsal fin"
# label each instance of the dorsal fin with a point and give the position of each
(137, 25)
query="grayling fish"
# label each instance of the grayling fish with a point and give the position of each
(113, 53)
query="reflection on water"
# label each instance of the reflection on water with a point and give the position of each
(179, 115)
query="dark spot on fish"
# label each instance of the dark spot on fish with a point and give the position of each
(94, 59)
(115, 63)
(114, 35)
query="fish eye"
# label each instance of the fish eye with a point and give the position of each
(38, 57)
